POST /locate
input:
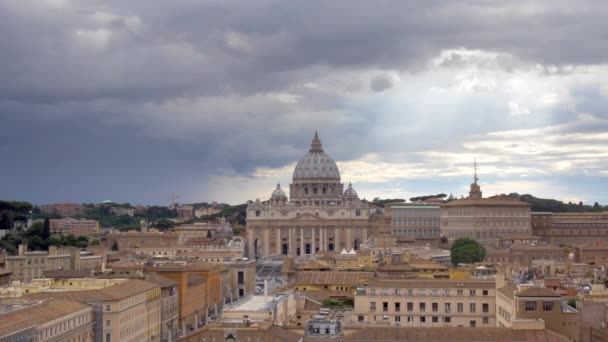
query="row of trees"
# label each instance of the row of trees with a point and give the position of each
(38, 238)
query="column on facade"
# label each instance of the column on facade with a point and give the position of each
(337, 237)
(289, 241)
(302, 240)
(323, 233)
(312, 244)
(279, 243)
(267, 241)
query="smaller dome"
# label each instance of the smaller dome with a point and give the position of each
(350, 192)
(278, 192)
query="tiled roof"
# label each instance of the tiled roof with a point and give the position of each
(431, 283)
(114, 292)
(194, 266)
(452, 334)
(161, 281)
(332, 278)
(486, 202)
(508, 290)
(37, 314)
(536, 292)
(128, 288)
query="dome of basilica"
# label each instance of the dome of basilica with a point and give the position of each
(350, 192)
(316, 164)
(278, 192)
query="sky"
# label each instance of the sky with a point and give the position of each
(133, 100)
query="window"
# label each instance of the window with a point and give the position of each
(397, 319)
(372, 306)
(372, 292)
(547, 306)
(485, 307)
(257, 213)
(422, 307)
(472, 324)
(108, 308)
(397, 307)
(435, 319)
(472, 293)
(447, 319)
(360, 318)
(384, 306)
(486, 320)
(108, 323)
(459, 292)
(410, 307)
(530, 306)
(410, 319)
(472, 307)
(485, 292)
(448, 307)
(108, 337)
(460, 307)
(422, 319)
(410, 292)
(435, 307)
(358, 212)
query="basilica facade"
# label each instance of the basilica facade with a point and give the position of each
(319, 215)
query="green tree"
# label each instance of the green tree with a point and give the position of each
(467, 251)
(5, 221)
(46, 229)
(95, 242)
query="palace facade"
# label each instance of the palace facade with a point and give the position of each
(318, 216)
(485, 219)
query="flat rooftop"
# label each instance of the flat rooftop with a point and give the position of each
(257, 303)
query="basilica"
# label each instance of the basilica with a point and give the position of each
(319, 215)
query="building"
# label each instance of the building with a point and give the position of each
(131, 239)
(77, 227)
(416, 221)
(318, 216)
(199, 288)
(529, 306)
(525, 255)
(129, 311)
(62, 209)
(28, 265)
(593, 253)
(169, 304)
(185, 211)
(485, 219)
(46, 320)
(122, 211)
(426, 303)
(570, 229)
(277, 309)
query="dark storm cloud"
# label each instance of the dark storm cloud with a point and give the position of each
(164, 88)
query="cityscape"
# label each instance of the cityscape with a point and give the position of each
(216, 171)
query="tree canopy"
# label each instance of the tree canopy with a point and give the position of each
(424, 198)
(465, 250)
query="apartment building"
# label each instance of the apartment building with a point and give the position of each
(68, 225)
(29, 265)
(199, 287)
(129, 311)
(169, 317)
(63, 209)
(570, 228)
(419, 222)
(426, 303)
(46, 320)
(536, 307)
